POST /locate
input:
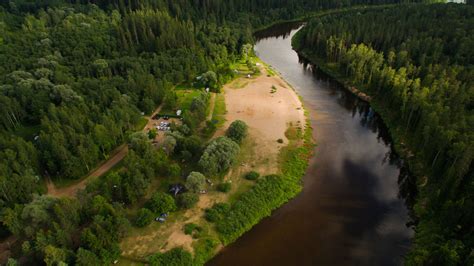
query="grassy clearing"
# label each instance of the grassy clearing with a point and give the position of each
(239, 84)
(185, 98)
(141, 124)
(182, 87)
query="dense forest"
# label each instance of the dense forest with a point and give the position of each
(76, 78)
(417, 63)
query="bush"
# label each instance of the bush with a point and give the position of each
(152, 133)
(187, 200)
(219, 156)
(161, 203)
(192, 229)
(217, 212)
(280, 141)
(195, 182)
(237, 131)
(252, 175)
(174, 257)
(144, 217)
(204, 250)
(224, 187)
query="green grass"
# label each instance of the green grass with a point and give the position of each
(185, 98)
(183, 87)
(219, 110)
(141, 123)
(241, 66)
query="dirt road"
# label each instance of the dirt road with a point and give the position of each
(71, 190)
(117, 155)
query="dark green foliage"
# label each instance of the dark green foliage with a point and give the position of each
(219, 156)
(174, 257)
(217, 212)
(152, 133)
(419, 73)
(144, 217)
(252, 175)
(143, 163)
(192, 229)
(224, 187)
(269, 193)
(187, 200)
(237, 131)
(204, 249)
(161, 203)
(209, 80)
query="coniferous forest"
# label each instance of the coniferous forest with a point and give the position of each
(77, 77)
(417, 63)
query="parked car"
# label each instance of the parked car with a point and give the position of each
(160, 219)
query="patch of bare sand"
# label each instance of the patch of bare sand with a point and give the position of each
(267, 114)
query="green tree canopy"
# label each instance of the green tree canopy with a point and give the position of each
(219, 156)
(195, 182)
(237, 131)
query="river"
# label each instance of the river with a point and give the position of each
(350, 211)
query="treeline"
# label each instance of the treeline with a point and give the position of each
(417, 62)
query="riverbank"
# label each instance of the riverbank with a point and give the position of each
(279, 143)
(411, 165)
(329, 69)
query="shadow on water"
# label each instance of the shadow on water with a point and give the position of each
(352, 210)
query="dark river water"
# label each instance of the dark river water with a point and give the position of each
(350, 211)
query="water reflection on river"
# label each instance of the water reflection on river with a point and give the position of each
(350, 211)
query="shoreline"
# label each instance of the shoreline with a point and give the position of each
(398, 145)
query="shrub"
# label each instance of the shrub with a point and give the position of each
(204, 250)
(174, 257)
(144, 217)
(195, 182)
(192, 229)
(237, 131)
(224, 187)
(189, 228)
(280, 140)
(252, 175)
(187, 200)
(161, 203)
(152, 133)
(217, 212)
(219, 156)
